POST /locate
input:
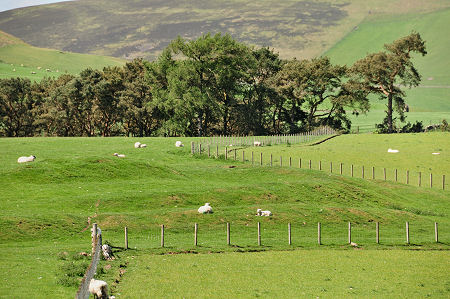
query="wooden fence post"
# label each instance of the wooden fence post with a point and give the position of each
(319, 240)
(377, 231)
(340, 169)
(384, 170)
(126, 237)
(349, 232)
(431, 180)
(331, 167)
(162, 235)
(407, 232)
(243, 156)
(271, 159)
(195, 233)
(407, 177)
(259, 234)
(217, 151)
(309, 164)
(234, 154)
(281, 161)
(290, 161)
(228, 234)
(192, 147)
(443, 182)
(436, 234)
(289, 234)
(94, 237)
(320, 165)
(261, 161)
(200, 148)
(362, 171)
(299, 162)
(252, 158)
(352, 170)
(396, 176)
(373, 172)
(420, 179)
(226, 153)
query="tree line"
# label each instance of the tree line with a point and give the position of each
(213, 85)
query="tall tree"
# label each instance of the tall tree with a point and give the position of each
(386, 72)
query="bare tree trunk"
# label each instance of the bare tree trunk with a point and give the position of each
(389, 114)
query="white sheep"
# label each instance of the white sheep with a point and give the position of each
(392, 151)
(139, 145)
(98, 288)
(119, 155)
(26, 159)
(257, 143)
(260, 212)
(206, 209)
(179, 144)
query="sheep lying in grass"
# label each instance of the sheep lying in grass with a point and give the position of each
(139, 145)
(260, 212)
(179, 144)
(119, 155)
(206, 209)
(392, 150)
(257, 143)
(26, 159)
(98, 288)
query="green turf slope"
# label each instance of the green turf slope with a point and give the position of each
(18, 59)
(430, 102)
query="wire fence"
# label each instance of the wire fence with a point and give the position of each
(287, 235)
(83, 290)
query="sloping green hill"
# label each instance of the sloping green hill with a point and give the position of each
(429, 102)
(18, 59)
(300, 28)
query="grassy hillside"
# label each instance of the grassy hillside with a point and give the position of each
(429, 102)
(299, 28)
(47, 206)
(18, 59)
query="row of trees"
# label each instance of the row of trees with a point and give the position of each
(209, 86)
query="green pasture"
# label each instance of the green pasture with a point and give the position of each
(428, 103)
(297, 274)
(48, 206)
(21, 60)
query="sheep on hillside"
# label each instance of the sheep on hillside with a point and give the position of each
(257, 143)
(107, 252)
(179, 144)
(206, 209)
(260, 212)
(98, 288)
(392, 150)
(119, 155)
(26, 159)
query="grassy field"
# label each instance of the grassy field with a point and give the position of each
(429, 102)
(18, 59)
(47, 205)
(298, 274)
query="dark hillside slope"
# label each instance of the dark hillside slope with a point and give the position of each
(129, 29)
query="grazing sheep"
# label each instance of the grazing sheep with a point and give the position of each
(143, 145)
(435, 153)
(257, 143)
(26, 159)
(206, 209)
(353, 244)
(179, 144)
(98, 288)
(119, 155)
(392, 151)
(260, 212)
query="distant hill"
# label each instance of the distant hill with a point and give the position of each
(128, 29)
(18, 59)
(430, 101)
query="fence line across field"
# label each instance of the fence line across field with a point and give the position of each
(393, 175)
(271, 235)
